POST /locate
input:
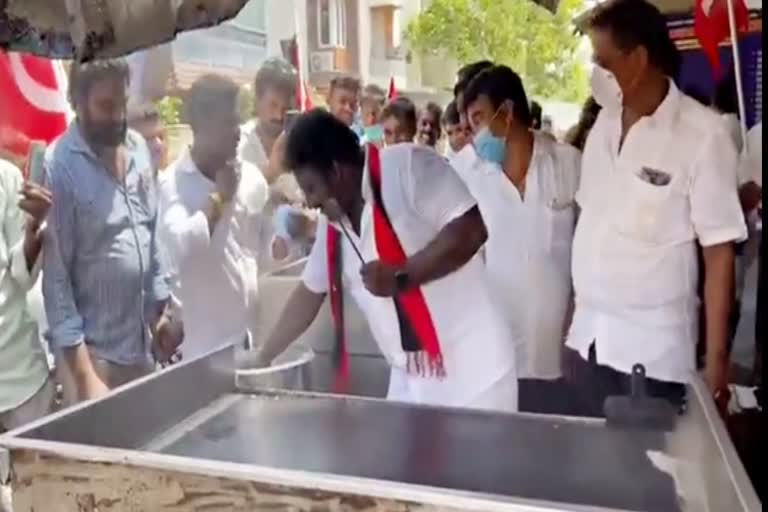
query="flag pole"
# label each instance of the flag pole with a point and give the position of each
(737, 73)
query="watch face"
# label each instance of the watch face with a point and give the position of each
(401, 279)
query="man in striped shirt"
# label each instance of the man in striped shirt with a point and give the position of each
(103, 278)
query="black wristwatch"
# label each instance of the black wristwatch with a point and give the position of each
(402, 280)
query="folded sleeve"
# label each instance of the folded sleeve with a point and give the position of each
(716, 213)
(64, 320)
(431, 187)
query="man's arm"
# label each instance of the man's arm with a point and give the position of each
(718, 302)
(64, 320)
(22, 235)
(718, 221)
(450, 250)
(297, 316)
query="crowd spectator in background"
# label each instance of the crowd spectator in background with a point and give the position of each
(344, 99)
(274, 90)
(211, 215)
(145, 119)
(429, 128)
(371, 103)
(536, 116)
(399, 121)
(104, 281)
(457, 133)
(26, 390)
(577, 135)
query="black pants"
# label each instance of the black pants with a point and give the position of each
(591, 383)
(545, 397)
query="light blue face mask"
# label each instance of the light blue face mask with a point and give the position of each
(374, 133)
(488, 146)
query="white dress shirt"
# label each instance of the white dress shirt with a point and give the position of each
(422, 195)
(634, 259)
(214, 277)
(528, 253)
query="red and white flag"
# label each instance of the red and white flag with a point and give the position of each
(392, 93)
(710, 24)
(33, 101)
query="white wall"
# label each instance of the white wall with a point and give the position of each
(281, 23)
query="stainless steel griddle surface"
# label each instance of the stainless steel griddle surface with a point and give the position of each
(527, 457)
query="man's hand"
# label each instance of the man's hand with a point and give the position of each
(379, 278)
(716, 373)
(35, 200)
(168, 335)
(91, 387)
(227, 180)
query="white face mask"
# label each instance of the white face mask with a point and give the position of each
(605, 88)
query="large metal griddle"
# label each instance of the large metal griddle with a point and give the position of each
(294, 450)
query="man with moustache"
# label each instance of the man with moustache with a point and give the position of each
(104, 280)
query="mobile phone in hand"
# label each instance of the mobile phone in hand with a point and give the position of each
(36, 162)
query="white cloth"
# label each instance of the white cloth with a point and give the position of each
(733, 125)
(634, 259)
(251, 149)
(23, 365)
(214, 277)
(422, 195)
(528, 253)
(751, 163)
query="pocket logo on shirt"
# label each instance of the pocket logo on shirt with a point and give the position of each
(655, 177)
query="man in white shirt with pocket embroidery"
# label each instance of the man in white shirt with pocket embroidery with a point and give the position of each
(440, 229)
(211, 223)
(658, 173)
(524, 183)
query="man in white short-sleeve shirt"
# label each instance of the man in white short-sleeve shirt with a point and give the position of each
(658, 173)
(440, 230)
(524, 183)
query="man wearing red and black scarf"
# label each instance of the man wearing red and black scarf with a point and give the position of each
(400, 233)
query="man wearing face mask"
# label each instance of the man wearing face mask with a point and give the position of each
(658, 173)
(104, 281)
(211, 216)
(524, 183)
(404, 246)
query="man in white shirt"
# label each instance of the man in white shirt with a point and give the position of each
(210, 223)
(524, 183)
(26, 390)
(273, 89)
(436, 221)
(658, 173)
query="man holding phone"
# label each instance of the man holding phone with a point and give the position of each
(26, 391)
(211, 222)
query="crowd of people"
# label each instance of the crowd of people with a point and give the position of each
(498, 267)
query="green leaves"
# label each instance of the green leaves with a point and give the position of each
(540, 46)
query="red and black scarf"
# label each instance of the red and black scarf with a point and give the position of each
(418, 336)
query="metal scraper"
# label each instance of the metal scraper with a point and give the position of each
(638, 410)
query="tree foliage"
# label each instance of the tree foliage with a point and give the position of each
(540, 46)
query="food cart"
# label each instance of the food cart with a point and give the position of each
(212, 434)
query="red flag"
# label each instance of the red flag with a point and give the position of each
(392, 94)
(33, 101)
(303, 99)
(710, 24)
